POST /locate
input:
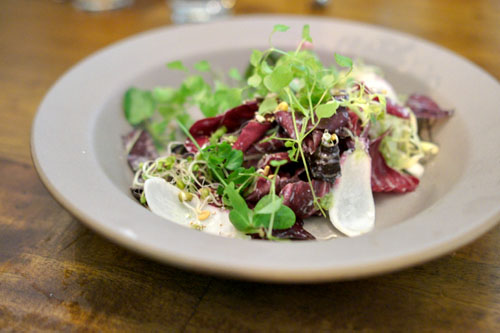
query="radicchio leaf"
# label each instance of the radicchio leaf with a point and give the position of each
(251, 133)
(425, 107)
(299, 198)
(296, 232)
(232, 119)
(396, 109)
(334, 123)
(262, 187)
(140, 148)
(312, 141)
(386, 179)
(266, 146)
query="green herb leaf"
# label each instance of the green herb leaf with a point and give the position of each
(178, 65)
(255, 57)
(327, 81)
(268, 105)
(202, 66)
(227, 98)
(254, 80)
(305, 33)
(343, 61)
(284, 218)
(279, 78)
(265, 68)
(234, 160)
(157, 128)
(214, 138)
(327, 110)
(277, 163)
(240, 215)
(280, 28)
(163, 94)
(138, 105)
(266, 205)
(235, 74)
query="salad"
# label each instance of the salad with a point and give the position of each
(289, 139)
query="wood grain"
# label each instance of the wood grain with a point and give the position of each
(55, 274)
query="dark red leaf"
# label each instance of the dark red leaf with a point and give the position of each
(267, 146)
(396, 109)
(386, 179)
(296, 232)
(232, 119)
(354, 123)
(191, 148)
(252, 132)
(335, 122)
(140, 148)
(285, 120)
(299, 198)
(425, 107)
(312, 141)
(262, 187)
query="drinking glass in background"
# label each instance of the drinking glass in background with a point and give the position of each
(199, 11)
(101, 5)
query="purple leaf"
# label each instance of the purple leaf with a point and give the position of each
(425, 107)
(386, 179)
(140, 148)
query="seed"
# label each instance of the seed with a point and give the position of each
(283, 106)
(185, 196)
(204, 192)
(260, 118)
(271, 176)
(266, 170)
(204, 214)
(180, 184)
(188, 196)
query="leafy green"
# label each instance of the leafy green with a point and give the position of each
(284, 218)
(343, 61)
(240, 216)
(327, 110)
(254, 80)
(138, 105)
(277, 163)
(256, 57)
(234, 160)
(225, 164)
(267, 205)
(268, 105)
(280, 27)
(306, 33)
(280, 77)
(235, 74)
(177, 64)
(203, 66)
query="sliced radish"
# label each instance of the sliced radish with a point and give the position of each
(163, 200)
(353, 210)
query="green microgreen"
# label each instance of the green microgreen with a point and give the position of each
(153, 110)
(139, 105)
(268, 105)
(269, 213)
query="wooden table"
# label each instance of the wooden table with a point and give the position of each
(55, 274)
